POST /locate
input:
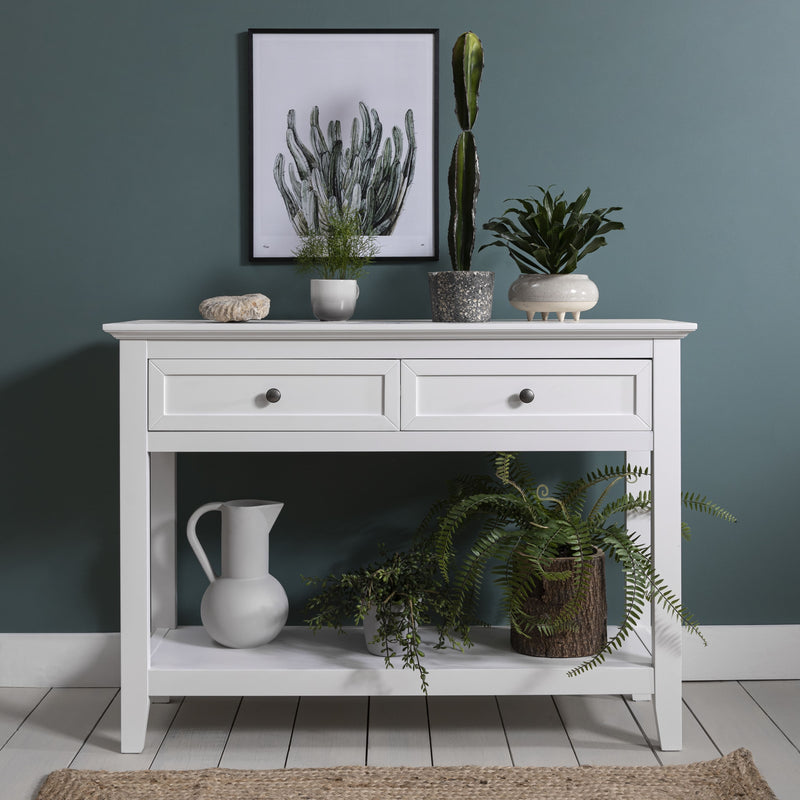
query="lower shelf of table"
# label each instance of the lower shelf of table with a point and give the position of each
(185, 661)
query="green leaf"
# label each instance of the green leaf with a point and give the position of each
(577, 206)
(595, 244)
(467, 62)
(463, 182)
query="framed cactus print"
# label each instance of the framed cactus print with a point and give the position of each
(344, 119)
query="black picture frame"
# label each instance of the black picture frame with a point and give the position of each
(362, 146)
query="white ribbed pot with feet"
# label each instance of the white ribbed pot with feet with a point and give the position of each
(559, 294)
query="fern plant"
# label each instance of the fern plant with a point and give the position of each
(405, 591)
(524, 523)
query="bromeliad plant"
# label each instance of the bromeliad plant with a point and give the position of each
(551, 236)
(463, 177)
(524, 523)
(405, 591)
(339, 248)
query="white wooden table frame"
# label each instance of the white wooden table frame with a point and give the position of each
(196, 386)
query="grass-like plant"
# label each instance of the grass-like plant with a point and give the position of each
(406, 591)
(522, 523)
(339, 248)
(550, 235)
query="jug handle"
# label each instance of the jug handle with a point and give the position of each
(191, 535)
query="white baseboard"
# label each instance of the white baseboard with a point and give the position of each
(743, 652)
(59, 659)
(734, 652)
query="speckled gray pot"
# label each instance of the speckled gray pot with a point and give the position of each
(461, 295)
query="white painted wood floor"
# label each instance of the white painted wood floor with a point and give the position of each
(43, 730)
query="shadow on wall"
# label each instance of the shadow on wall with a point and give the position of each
(59, 488)
(339, 508)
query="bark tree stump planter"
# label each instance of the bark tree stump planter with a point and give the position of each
(589, 634)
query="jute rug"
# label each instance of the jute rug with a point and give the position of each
(733, 777)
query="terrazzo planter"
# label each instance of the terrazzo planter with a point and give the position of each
(461, 295)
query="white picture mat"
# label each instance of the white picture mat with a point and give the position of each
(390, 72)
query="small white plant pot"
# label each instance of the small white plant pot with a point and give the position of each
(559, 294)
(374, 645)
(332, 299)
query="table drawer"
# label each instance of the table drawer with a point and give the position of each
(568, 394)
(314, 395)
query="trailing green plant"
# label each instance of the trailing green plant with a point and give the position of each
(550, 235)
(339, 248)
(463, 177)
(522, 522)
(406, 591)
(364, 174)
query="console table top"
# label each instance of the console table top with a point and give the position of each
(399, 329)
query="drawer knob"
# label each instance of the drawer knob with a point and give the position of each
(526, 396)
(273, 395)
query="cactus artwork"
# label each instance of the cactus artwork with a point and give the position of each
(364, 173)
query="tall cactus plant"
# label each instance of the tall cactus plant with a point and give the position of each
(463, 178)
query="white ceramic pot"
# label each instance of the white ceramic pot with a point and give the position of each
(561, 294)
(376, 647)
(333, 299)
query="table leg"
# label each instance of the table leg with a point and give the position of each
(639, 523)
(162, 541)
(666, 488)
(163, 545)
(134, 547)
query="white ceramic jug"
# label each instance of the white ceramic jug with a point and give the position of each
(244, 606)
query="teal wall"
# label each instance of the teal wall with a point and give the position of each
(123, 178)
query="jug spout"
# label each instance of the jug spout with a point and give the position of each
(246, 525)
(270, 511)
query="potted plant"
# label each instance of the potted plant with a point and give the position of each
(393, 598)
(338, 251)
(546, 554)
(547, 238)
(462, 295)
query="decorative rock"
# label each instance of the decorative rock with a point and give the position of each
(235, 308)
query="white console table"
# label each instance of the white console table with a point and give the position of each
(196, 386)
